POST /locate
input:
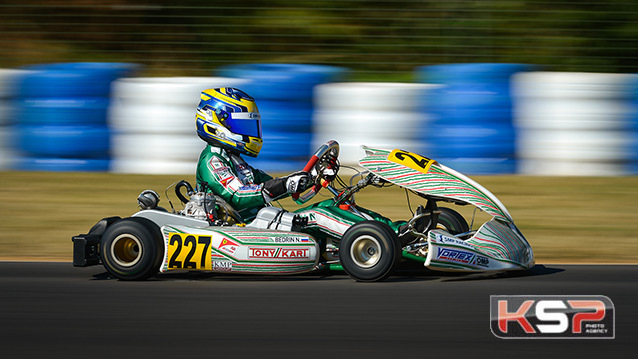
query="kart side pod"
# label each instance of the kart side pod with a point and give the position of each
(238, 250)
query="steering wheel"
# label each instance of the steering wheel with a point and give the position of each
(327, 151)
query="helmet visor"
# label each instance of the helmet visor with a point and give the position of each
(244, 123)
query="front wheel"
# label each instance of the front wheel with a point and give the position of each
(131, 249)
(369, 251)
(452, 221)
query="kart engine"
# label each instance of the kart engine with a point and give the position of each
(201, 206)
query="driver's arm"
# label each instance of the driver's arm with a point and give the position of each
(260, 176)
(279, 187)
(246, 199)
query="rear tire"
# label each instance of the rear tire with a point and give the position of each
(452, 221)
(369, 251)
(131, 249)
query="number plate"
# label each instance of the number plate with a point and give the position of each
(411, 160)
(187, 251)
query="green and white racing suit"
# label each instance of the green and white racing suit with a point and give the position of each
(231, 178)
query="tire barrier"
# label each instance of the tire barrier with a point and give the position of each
(61, 115)
(51, 164)
(284, 94)
(289, 82)
(156, 147)
(8, 78)
(371, 114)
(53, 117)
(63, 112)
(632, 152)
(470, 127)
(153, 123)
(155, 167)
(280, 116)
(7, 115)
(574, 123)
(72, 80)
(64, 141)
(632, 166)
(7, 154)
(283, 151)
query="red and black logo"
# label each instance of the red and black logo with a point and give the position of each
(552, 317)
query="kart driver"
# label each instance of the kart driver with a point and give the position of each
(229, 122)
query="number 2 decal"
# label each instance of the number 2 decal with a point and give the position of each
(411, 160)
(185, 251)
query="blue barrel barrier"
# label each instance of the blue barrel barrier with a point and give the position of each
(61, 116)
(632, 129)
(62, 111)
(72, 80)
(470, 116)
(284, 96)
(61, 164)
(286, 116)
(474, 141)
(291, 82)
(64, 141)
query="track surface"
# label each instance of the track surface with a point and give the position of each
(55, 310)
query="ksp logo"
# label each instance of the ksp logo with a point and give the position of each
(552, 317)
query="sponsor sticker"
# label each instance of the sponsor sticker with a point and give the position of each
(228, 246)
(222, 266)
(289, 239)
(223, 174)
(449, 240)
(216, 164)
(455, 255)
(279, 253)
(552, 317)
(482, 261)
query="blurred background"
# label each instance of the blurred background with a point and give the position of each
(486, 87)
(98, 95)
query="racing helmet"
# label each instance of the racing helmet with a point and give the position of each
(229, 118)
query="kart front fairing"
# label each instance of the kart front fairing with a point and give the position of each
(496, 245)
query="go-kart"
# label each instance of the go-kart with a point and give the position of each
(209, 235)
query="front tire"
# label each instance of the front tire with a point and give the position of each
(369, 251)
(452, 221)
(131, 249)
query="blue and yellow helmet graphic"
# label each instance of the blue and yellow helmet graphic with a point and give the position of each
(229, 118)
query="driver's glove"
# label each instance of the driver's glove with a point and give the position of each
(298, 182)
(293, 183)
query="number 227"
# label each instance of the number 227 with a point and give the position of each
(179, 245)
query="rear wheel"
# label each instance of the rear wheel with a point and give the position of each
(452, 221)
(369, 251)
(131, 249)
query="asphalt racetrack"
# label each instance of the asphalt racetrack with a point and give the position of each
(52, 310)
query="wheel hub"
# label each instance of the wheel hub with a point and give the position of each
(365, 251)
(126, 250)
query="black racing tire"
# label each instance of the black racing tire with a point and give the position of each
(452, 221)
(369, 251)
(132, 249)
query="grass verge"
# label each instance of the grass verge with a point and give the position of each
(566, 219)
